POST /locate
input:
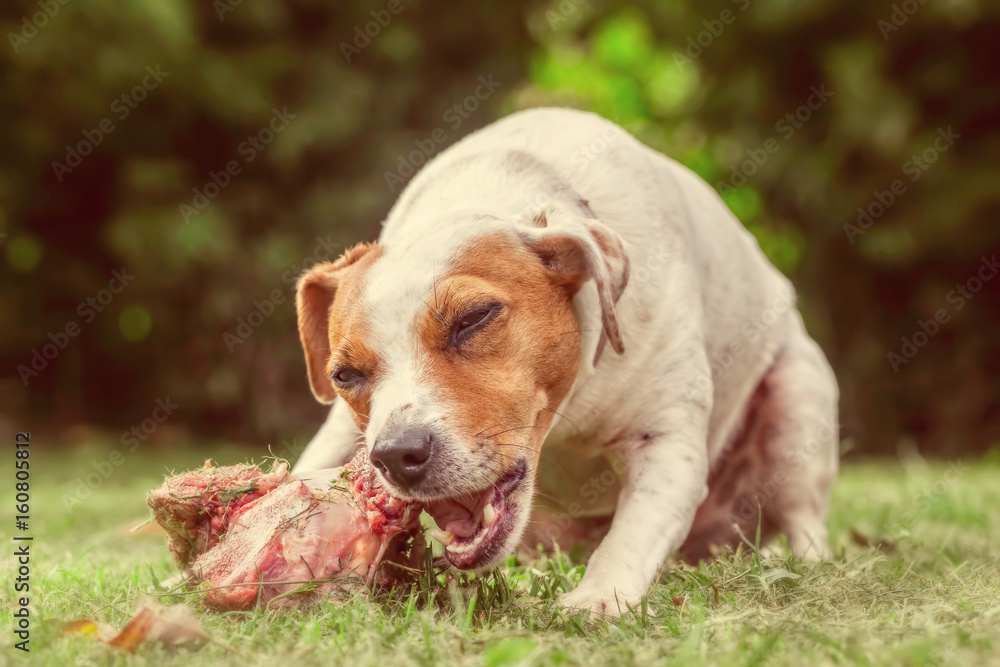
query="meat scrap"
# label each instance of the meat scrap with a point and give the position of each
(244, 536)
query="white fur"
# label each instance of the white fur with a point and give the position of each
(699, 283)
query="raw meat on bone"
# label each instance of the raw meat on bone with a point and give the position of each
(245, 536)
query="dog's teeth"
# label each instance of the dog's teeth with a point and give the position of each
(489, 514)
(442, 536)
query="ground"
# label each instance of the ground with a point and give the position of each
(915, 581)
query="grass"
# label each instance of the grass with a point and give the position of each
(926, 593)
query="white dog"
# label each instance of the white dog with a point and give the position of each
(556, 310)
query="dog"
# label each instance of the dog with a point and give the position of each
(562, 335)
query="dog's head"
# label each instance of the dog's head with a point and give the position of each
(453, 350)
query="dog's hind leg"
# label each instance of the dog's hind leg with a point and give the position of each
(334, 444)
(803, 452)
(777, 473)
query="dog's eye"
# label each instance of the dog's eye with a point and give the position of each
(471, 321)
(346, 375)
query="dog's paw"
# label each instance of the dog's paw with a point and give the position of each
(600, 602)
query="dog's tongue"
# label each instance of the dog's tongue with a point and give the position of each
(454, 517)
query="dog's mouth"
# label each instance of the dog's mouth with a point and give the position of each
(475, 528)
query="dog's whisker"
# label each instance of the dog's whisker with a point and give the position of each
(431, 308)
(555, 412)
(434, 285)
(547, 496)
(515, 428)
(551, 461)
(488, 428)
(529, 470)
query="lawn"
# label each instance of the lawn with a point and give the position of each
(915, 582)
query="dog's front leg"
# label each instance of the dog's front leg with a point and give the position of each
(666, 481)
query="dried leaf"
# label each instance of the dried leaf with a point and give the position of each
(88, 628)
(152, 622)
(862, 541)
(859, 538)
(176, 624)
(135, 631)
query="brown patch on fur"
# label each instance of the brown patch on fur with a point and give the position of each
(356, 252)
(324, 297)
(599, 254)
(517, 369)
(350, 348)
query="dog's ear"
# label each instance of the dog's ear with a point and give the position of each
(575, 248)
(314, 296)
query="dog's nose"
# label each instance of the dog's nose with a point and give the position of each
(404, 458)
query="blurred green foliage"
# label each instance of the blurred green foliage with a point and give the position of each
(717, 85)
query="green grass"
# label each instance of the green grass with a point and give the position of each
(931, 597)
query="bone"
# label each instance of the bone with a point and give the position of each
(248, 537)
